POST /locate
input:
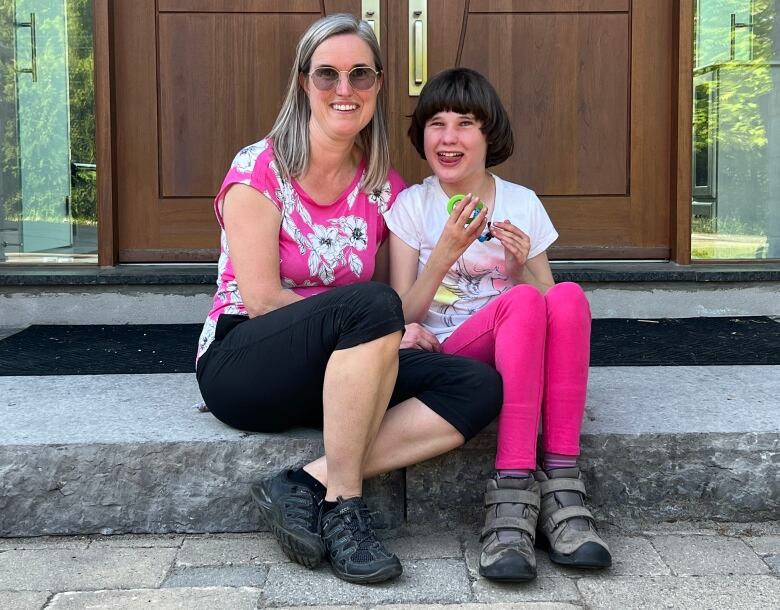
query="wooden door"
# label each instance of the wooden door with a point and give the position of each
(194, 81)
(586, 82)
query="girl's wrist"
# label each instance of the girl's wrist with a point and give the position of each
(438, 263)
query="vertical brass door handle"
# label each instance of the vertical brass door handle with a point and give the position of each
(418, 45)
(33, 48)
(371, 14)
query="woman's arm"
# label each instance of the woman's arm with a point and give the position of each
(382, 263)
(252, 227)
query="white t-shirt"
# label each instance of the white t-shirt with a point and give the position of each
(418, 218)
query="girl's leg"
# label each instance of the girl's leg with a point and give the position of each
(565, 369)
(568, 526)
(510, 334)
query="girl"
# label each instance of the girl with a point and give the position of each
(479, 280)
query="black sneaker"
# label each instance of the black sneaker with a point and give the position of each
(291, 511)
(351, 545)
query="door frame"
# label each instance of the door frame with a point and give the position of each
(680, 160)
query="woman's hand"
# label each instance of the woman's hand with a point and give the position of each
(457, 235)
(419, 337)
(516, 244)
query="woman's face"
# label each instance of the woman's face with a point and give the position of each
(342, 112)
(455, 147)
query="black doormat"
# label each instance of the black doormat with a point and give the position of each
(170, 348)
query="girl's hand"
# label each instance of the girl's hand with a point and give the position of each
(419, 337)
(458, 233)
(516, 244)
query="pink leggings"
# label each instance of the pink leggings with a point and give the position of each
(541, 346)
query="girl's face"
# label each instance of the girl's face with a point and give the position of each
(343, 111)
(455, 148)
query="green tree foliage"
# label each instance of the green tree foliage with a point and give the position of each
(80, 62)
(749, 50)
(81, 68)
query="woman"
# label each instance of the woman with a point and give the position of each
(297, 336)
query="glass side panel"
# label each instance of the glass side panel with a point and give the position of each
(47, 179)
(736, 130)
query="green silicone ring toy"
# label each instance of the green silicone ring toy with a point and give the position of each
(455, 198)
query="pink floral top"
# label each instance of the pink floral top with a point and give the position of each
(320, 247)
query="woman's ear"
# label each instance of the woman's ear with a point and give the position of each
(381, 81)
(303, 82)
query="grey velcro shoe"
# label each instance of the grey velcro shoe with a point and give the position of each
(511, 510)
(567, 527)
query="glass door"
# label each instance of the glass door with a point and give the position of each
(43, 124)
(47, 140)
(736, 131)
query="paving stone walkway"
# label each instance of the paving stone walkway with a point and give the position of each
(682, 565)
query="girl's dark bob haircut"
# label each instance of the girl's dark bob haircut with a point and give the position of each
(465, 91)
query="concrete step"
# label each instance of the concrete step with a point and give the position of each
(130, 454)
(175, 293)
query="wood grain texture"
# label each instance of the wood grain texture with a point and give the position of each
(222, 79)
(549, 6)
(240, 6)
(135, 119)
(193, 88)
(104, 145)
(594, 93)
(651, 120)
(564, 81)
(681, 135)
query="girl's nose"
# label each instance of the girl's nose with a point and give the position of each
(450, 135)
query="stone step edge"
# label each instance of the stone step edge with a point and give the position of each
(202, 486)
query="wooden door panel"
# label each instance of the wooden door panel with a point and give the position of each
(549, 6)
(564, 81)
(240, 6)
(587, 84)
(135, 116)
(195, 81)
(222, 80)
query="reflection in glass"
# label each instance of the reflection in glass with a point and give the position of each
(736, 130)
(47, 178)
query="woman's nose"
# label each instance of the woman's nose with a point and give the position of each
(342, 86)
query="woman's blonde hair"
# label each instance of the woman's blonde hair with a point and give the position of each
(290, 132)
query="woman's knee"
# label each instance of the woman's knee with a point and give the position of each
(374, 300)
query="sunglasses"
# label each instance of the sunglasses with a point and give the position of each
(361, 78)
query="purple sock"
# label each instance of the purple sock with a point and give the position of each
(551, 461)
(515, 473)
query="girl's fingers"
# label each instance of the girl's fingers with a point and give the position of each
(508, 238)
(477, 226)
(518, 250)
(510, 228)
(469, 203)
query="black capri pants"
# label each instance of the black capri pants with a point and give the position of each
(266, 374)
